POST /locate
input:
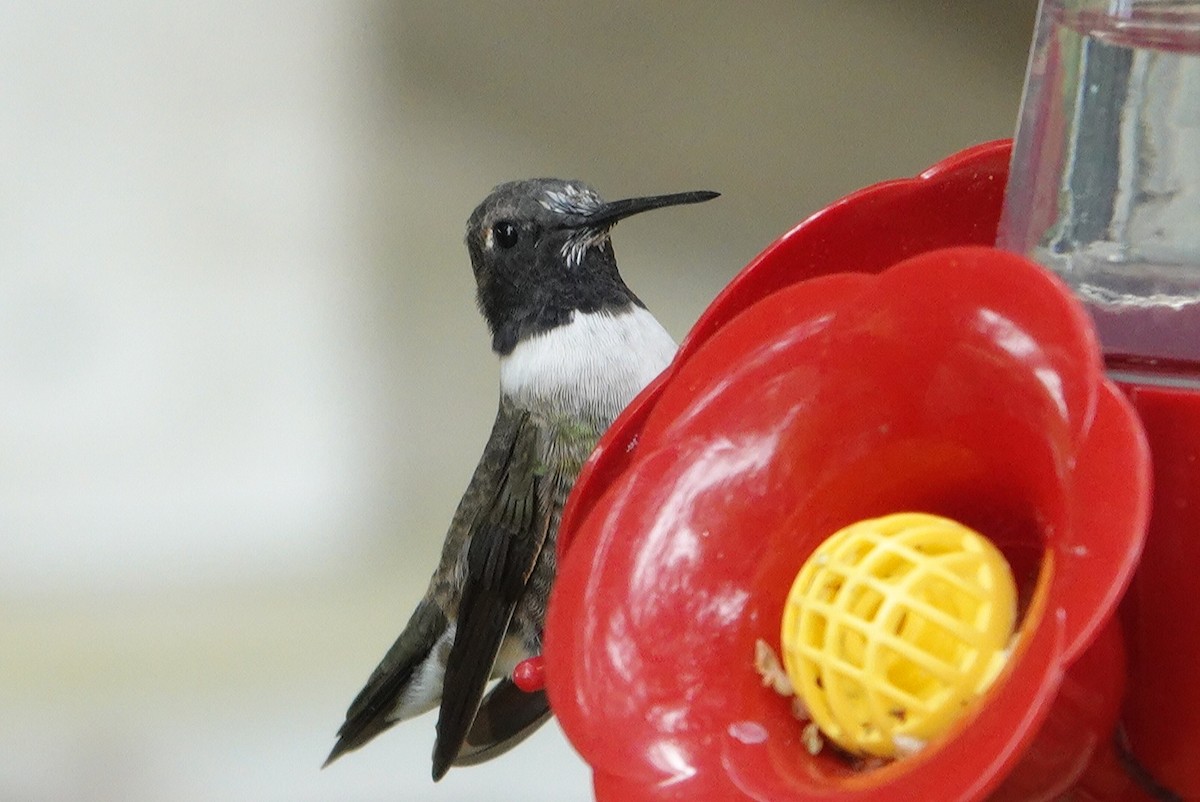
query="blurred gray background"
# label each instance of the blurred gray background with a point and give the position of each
(242, 378)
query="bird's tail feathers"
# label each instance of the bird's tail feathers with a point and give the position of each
(402, 685)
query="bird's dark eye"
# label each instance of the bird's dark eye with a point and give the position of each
(505, 234)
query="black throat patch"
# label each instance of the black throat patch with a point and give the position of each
(543, 295)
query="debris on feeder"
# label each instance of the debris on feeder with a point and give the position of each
(767, 664)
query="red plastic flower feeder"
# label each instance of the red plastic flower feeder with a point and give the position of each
(863, 365)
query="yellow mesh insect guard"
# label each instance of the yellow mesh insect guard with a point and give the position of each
(894, 626)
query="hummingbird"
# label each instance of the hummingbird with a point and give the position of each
(575, 345)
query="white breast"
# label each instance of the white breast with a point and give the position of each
(593, 365)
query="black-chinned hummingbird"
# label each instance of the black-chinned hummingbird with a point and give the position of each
(575, 346)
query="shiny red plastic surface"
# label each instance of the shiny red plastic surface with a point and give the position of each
(530, 675)
(1162, 609)
(964, 382)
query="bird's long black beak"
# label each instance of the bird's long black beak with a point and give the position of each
(608, 214)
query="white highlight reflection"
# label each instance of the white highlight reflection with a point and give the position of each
(670, 758)
(1020, 345)
(672, 540)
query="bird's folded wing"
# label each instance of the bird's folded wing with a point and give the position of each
(506, 539)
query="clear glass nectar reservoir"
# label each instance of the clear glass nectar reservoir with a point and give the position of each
(1105, 180)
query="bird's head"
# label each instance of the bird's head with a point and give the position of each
(540, 250)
